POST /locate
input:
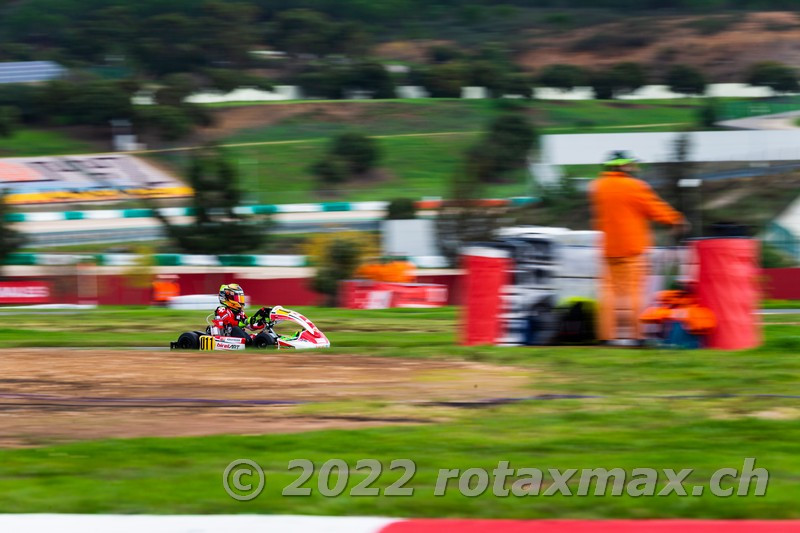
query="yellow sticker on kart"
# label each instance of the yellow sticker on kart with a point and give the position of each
(209, 342)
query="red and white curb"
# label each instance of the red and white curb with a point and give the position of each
(71, 523)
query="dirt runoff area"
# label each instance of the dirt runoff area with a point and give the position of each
(57, 395)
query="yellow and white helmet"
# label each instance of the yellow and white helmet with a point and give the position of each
(232, 296)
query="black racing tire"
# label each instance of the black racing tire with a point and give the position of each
(188, 341)
(264, 340)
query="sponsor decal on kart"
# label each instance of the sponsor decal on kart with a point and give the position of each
(228, 343)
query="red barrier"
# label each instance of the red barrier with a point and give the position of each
(592, 526)
(728, 285)
(781, 283)
(487, 273)
(121, 290)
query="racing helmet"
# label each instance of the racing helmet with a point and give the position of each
(619, 158)
(232, 296)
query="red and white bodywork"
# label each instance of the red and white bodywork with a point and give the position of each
(308, 337)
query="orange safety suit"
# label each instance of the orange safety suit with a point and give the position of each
(623, 207)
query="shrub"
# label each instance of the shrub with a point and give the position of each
(442, 81)
(444, 53)
(350, 155)
(708, 114)
(357, 150)
(684, 79)
(772, 257)
(10, 240)
(401, 209)
(332, 170)
(777, 76)
(8, 120)
(563, 77)
(337, 257)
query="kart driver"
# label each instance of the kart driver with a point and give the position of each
(230, 318)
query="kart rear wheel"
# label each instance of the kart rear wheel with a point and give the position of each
(188, 341)
(264, 340)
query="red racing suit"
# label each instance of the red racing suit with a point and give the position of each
(226, 318)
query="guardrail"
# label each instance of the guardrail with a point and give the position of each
(265, 209)
(168, 260)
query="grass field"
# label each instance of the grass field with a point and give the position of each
(413, 164)
(422, 142)
(637, 408)
(34, 142)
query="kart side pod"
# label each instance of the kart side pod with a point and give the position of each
(211, 342)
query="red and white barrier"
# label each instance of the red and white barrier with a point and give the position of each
(25, 292)
(358, 294)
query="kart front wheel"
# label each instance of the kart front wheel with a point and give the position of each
(188, 341)
(264, 340)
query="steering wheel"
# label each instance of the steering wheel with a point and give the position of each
(260, 317)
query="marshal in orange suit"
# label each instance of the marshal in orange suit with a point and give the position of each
(623, 207)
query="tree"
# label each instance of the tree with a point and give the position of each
(564, 77)
(442, 81)
(444, 54)
(8, 120)
(301, 31)
(461, 218)
(401, 209)
(518, 84)
(170, 42)
(170, 122)
(350, 39)
(511, 137)
(684, 79)
(504, 148)
(10, 240)
(602, 84)
(175, 88)
(620, 78)
(229, 31)
(325, 81)
(777, 76)
(489, 74)
(350, 155)
(217, 228)
(340, 259)
(707, 115)
(371, 77)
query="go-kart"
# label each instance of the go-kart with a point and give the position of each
(261, 323)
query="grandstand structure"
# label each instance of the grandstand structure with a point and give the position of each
(30, 71)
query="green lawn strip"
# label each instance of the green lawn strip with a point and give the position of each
(184, 475)
(780, 304)
(34, 142)
(788, 318)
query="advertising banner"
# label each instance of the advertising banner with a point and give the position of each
(82, 178)
(25, 292)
